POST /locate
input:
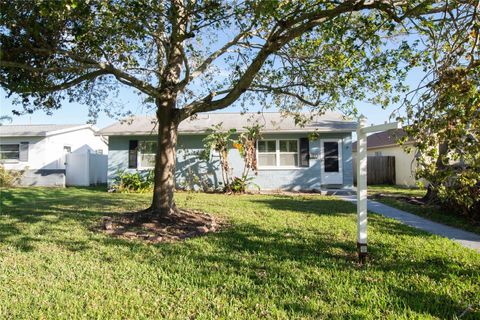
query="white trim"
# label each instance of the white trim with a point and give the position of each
(139, 167)
(277, 155)
(60, 131)
(26, 133)
(202, 132)
(340, 161)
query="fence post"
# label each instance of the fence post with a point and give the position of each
(362, 189)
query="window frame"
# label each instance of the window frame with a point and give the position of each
(10, 160)
(340, 156)
(277, 155)
(139, 154)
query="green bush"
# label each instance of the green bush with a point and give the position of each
(134, 182)
(241, 185)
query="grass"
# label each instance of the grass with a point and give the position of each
(431, 212)
(283, 257)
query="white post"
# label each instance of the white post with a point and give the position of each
(362, 189)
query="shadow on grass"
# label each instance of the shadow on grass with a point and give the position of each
(309, 204)
(327, 206)
(263, 256)
(53, 211)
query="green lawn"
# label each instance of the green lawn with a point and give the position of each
(282, 257)
(430, 212)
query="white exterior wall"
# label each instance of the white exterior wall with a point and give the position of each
(36, 153)
(405, 164)
(47, 152)
(80, 141)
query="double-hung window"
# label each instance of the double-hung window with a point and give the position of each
(146, 154)
(267, 153)
(277, 153)
(288, 153)
(9, 152)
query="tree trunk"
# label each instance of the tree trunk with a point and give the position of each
(431, 196)
(164, 180)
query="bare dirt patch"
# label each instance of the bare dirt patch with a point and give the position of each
(145, 226)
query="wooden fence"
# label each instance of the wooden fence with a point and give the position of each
(380, 170)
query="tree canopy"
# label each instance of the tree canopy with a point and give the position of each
(315, 53)
(187, 56)
(443, 112)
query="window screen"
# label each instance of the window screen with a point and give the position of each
(146, 154)
(9, 152)
(330, 150)
(267, 153)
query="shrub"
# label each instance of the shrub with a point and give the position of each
(9, 178)
(131, 182)
(241, 185)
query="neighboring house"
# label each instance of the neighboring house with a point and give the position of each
(287, 159)
(54, 155)
(385, 144)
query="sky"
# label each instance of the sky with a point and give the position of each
(74, 113)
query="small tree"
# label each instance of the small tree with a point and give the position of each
(246, 146)
(219, 141)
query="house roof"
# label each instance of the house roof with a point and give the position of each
(382, 139)
(39, 130)
(272, 122)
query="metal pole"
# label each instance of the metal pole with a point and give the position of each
(362, 189)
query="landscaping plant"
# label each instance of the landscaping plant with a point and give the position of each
(316, 54)
(128, 182)
(443, 113)
(220, 141)
(9, 178)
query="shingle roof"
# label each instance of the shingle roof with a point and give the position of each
(272, 122)
(382, 139)
(35, 130)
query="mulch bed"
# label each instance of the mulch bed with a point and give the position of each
(411, 200)
(145, 226)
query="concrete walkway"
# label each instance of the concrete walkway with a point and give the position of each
(465, 238)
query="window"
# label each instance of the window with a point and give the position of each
(331, 156)
(288, 153)
(9, 152)
(277, 153)
(146, 154)
(267, 153)
(378, 153)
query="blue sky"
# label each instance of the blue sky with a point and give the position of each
(73, 113)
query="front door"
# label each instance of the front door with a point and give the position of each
(331, 156)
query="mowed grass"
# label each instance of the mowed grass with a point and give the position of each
(431, 212)
(282, 257)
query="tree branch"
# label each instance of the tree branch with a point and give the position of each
(64, 85)
(281, 90)
(207, 62)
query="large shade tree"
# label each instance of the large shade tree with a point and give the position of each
(443, 111)
(187, 56)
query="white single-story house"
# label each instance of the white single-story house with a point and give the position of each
(54, 155)
(385, 144)
(288, 158)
